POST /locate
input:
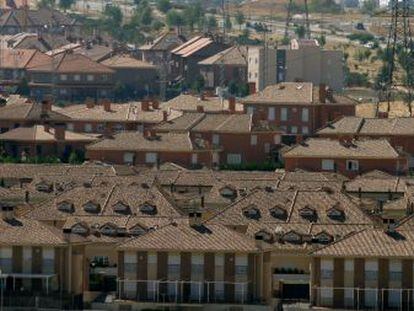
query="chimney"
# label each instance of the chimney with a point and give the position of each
(145, 105)
(7, 211)
(89, 103)
(60, 131)
(252, 88)
(107, 105)
(46, 106)
(165, 115)
(232, 104)
(202, 201)
(26, 196)
(202, 96)
(200, 108)
(150, 133)
(46, 126)
(195, 219)
(155, 104)
(322, 93)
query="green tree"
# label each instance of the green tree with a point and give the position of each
(300, 31)
(369, 6)
(146, 16)
(198, 84)
(66, 4)
(322, 40)
(175, 19)
(164, 5)
(112, 18)
(46, 4)
(227, 23)
(211, 23)
(240, 19)
(23, 87)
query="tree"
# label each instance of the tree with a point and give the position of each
(211, 23)
(175, 19)
(46, 4)
(66, 4)
(369, 6)
(322, 40)
(23, 87)
(198, 84)
(240, 19)
(112, 18)
(300, 31)
(146, 16)
(163, 5)
(194, 15)
(227, 23)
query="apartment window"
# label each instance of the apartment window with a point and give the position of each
(277, 139)
(255, 60)
(250, 110)
(255, 74)
(328, 165)
(241, 266)
(294, 130)
(63, 91)
(48, 264)
(100, 127)
(27, 259)
(395, 270)
(253, 140)
(105, 78)
(104, 93)
(194, 158)
(128, 158)
(88, 127)
(219, 277)
(305, 114)
(70, 127)
(271, 113)
(305, 130)
(267, 147)
(234, 158)
(6, 254)
(371, 270)
(130, 263)
(216, 139)
(352, 165)
(283, 114)
(197, 276)
(63, 77)
(174, 261)
(150, 157)
(326, 269)
(90, 78)
(76, 77)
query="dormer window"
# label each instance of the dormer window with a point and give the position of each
(80, 229)
(66, 207)
(292, 237)
(228, 192)
(92, 207)
(108, 229)
(121, 208)
(137, 230)
(278, 212)
(263, 235)
(252, 212)
(323, 238)
(148, 208)
(44, 187)
(308, 213)
(336, 213)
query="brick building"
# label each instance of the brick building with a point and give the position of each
(346, 157)
(398, 131)
(298, 108)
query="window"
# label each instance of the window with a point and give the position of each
(121, 207)
(66, 207)
(326, 269)
(91, 207)
(328, 165)
(148, 208)
(63, 77)
(292, 237)
(70, 127)
(76, 77)
(216, 139)
(283, 114)
(105, 78)
(294, 129)
(277, 139)
(271, 114)
(278, 212)
(241, 266)
(128, 158)
(151, 157)
(90, 78)
(100, 128)
(108, 230)
(250, 110)
(27, 260)
(79, 229)
(48, 262)
(6, 254)
(251, 212)
(352, 165)
(253, 140)
(305, 114)
(63, 91)
(395, 270)
(371, 270)
(88, 127)
(305, 130)
(194, 158)
(234, 158)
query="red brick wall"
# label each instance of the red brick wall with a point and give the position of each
(365, 165)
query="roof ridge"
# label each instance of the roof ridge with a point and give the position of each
(107, 199)
(226, 120)
(292, 206)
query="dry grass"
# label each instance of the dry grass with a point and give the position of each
(397, 109)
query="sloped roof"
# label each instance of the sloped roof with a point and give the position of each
(126, 61)
(232, 56)
(165, 42)
(192, 46)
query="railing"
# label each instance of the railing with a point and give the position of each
(171, 291)
(354, 298)
(53, 301)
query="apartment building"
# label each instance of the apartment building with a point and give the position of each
(349, 158)
(304, 60)
(398, 131)
(298, 108)
(201, 103)
(261, 64)
(368, 269)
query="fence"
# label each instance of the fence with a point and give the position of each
(353, 298)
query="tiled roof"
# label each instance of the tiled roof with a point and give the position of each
(28, 232)
(183, 123)
(372, 243)
(165, 42)
(38, 133)
(346, 125)
(235, 56)
(126, 61)
(95, 52)
(192, 46)
(134, 141)
(42, 43)
(358, 149)
(230, 123)
(190, 103)
(205, 238)
(16, 58)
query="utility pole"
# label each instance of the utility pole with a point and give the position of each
(289, 19)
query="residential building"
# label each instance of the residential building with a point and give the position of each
(398, 131)
(36, 21)
(42, 42)
(349, 158)
(186, 57)
(71, 77)
(228, 67)
(201, 103)
(261, 67)
(299, 109)
(137, 78)
(306, 61)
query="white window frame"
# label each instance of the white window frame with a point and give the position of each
(283, 114)
(250, 110)
(327, 164)
(354, 164)
(63, 77)
(305, 114)
(294, 129)
(151, 157)
(253, 140)
(216, 139)
(234, 158)
(194, 158)
(271, 113)
(90, 77)
(88, 127)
